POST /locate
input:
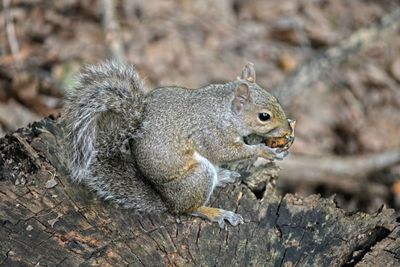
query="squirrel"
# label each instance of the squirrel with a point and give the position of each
(160, 151)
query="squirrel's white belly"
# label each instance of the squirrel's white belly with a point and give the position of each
(211, 169)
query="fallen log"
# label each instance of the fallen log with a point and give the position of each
(48, 221)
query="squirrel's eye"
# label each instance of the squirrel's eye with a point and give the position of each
(264, 116)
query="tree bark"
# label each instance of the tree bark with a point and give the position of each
(48, 221)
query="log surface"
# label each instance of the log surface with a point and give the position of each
(48, 221)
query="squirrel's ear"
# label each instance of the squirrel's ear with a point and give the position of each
(249, 73)
(242, 96)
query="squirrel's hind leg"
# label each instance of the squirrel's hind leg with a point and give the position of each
(190, 192)
(218, 215)
(192, 187)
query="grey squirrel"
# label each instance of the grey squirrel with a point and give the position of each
(161, 151)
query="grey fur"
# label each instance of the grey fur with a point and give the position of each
(161, 151)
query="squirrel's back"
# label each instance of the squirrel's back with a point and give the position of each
(188, 109)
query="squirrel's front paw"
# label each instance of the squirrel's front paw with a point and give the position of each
(226, 177)
(272, 153)
(280, 154)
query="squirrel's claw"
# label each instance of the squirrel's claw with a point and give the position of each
(272, 153)
(279, 155)
(233, 218)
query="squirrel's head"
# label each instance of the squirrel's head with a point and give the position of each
(259, 110)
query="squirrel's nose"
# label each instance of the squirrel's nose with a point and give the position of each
(288, 128)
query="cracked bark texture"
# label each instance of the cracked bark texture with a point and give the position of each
(48, 221)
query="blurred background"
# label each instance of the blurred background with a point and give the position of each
(348, 122)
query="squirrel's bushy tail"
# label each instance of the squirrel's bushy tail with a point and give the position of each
(102, 113)
(108, 98)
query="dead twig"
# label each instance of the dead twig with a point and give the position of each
(10, 30)
(111, 29)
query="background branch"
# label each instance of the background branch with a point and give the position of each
(344, 172)
(301, 79)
